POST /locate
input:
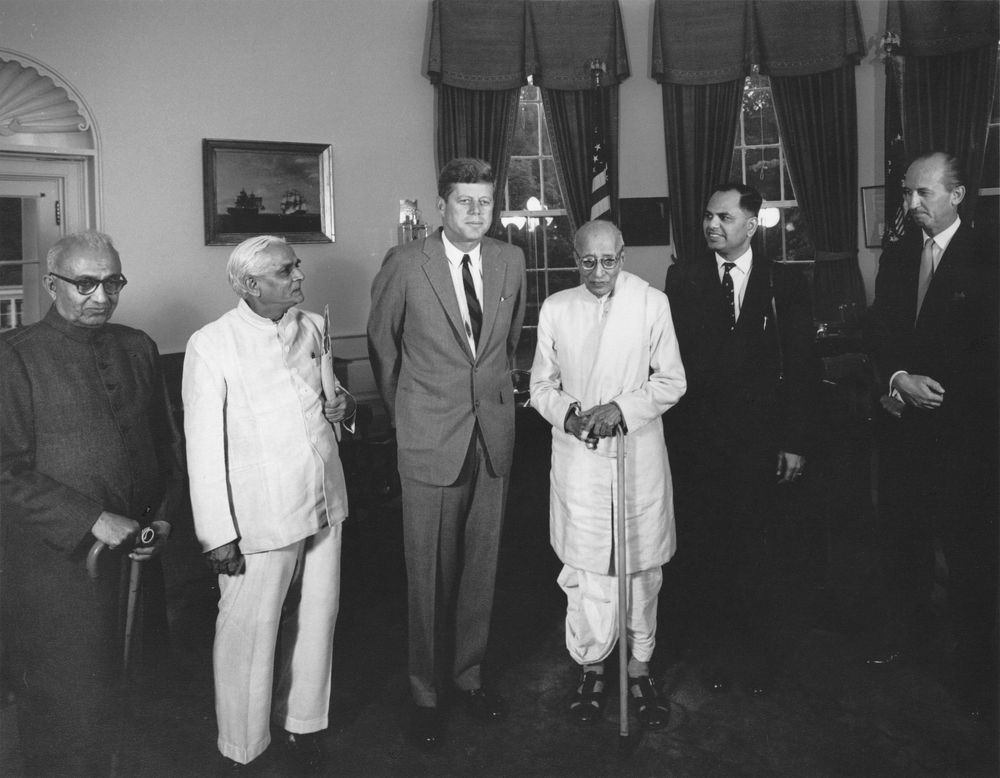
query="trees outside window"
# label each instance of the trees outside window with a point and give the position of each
(534, 216)
(759, 161)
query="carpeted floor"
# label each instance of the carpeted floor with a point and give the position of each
(828, 714)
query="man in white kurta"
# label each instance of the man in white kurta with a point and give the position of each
(268, 496)
(606, 356)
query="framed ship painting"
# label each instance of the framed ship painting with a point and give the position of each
(262, 188)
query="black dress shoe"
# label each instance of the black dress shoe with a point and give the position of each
(484, 704)
(426, 728)
(304, 749)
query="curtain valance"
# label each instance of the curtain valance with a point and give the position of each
(933, 27)
(699, 43)
(487, 45)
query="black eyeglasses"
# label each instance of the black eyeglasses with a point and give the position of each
(88, 285)
(589, 261)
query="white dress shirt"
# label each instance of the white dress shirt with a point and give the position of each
(739, 274)
(454, 256)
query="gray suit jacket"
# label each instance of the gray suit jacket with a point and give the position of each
(433, 388)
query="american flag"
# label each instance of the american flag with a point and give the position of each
(895, 151)
(600, 189)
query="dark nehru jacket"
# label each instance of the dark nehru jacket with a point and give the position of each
(85, 429)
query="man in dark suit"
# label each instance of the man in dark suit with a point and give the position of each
(88, 452)
(445, 318)
(933, 335)
(745, 330)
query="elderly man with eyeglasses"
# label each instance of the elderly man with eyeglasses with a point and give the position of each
(607, 356)
(88, 451)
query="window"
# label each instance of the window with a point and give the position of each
(11, 295)
(534, 216)
(759, 161)
(987, 213)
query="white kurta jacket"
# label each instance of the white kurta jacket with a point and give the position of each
(263, 461)
(632, 359)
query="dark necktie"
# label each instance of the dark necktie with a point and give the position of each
(727, 284)
(475, 312)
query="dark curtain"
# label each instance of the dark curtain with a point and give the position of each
(701, 59)
(946, 103)
(941, 71)
(569, 115)
(817, 118)
(700, 124)
(481, 53)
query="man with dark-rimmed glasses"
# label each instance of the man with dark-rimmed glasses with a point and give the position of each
(87, 448)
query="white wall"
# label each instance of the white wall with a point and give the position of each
(160, 75)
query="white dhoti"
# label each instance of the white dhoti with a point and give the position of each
(250, 611)
(592, 613)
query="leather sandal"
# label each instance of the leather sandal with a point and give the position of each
(652, 712)
(588, 700)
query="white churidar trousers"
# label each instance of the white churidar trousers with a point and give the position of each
(250, 610)
(592, 613)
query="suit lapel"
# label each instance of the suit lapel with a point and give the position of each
(494, 272)
(944, 275)
(439, 275)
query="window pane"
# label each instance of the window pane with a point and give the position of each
(10, 240)
(536, 293)
(787, 193)
(563, 279)
(522, 183)
(553, 193)
(519, 234)
(991, 168)
(763, 172)
(798, 245)
(736, 168)
(526, 132)
(559, 242)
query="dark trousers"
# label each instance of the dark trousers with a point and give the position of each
(63, 634)
(725, 581)
(933, 487)
(451, 541)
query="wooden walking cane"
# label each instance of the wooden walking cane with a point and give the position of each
(621, 569)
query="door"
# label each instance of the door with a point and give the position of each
(41, 199)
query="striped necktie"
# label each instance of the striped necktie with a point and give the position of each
(475, 311)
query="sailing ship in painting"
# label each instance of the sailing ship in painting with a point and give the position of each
(246, 204)
(249, 214)
(293, 203)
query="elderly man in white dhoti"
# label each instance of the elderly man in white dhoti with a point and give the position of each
(607, 356)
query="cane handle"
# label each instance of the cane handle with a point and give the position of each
(95, 551)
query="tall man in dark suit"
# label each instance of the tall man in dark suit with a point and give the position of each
(933, 335)
(745, 331)
(445, 318)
